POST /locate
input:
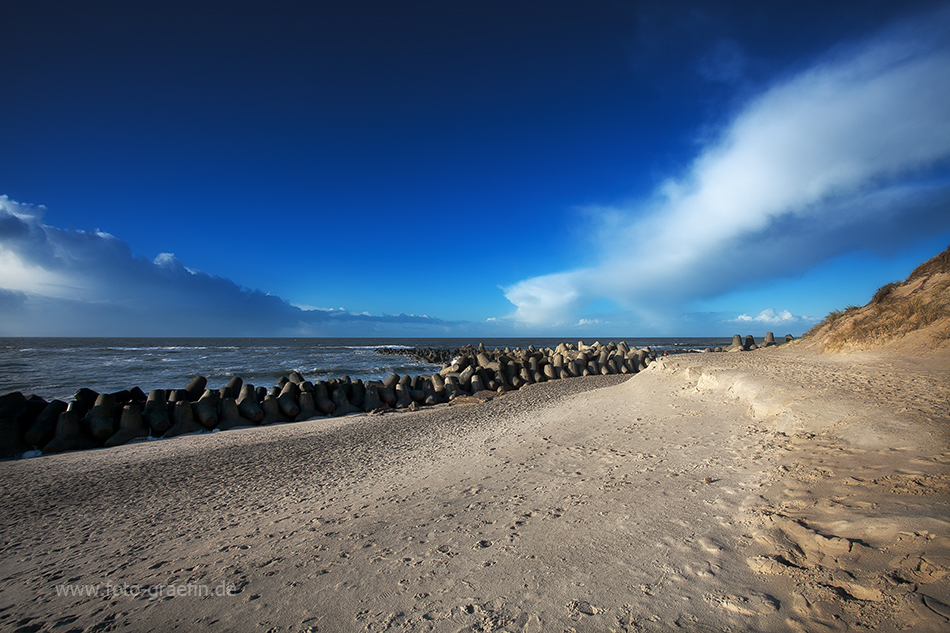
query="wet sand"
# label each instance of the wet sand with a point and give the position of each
(772, 490)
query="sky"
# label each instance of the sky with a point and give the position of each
(452, 169)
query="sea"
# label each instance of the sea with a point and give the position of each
(58, 367)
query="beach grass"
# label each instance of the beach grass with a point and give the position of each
(897, 309)
(880, 324)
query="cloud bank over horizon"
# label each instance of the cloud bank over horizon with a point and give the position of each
(825, 162)
(69, 282)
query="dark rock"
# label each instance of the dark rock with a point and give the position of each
(10, 443)
(270, 409)
(322, 398)
(391, 381)
(131, 426)
(526, 376)
(14, 406)
(156, 412)
(359, 393)
(235, 386)
(342, 406)
(438, 385)
(403, 399)
(287, 400)
(229, 416)
(196, 388)
(85, 399)
(347, 385)
(477, 384)
(371, 400)
(431, 394)
(184, 421)
(387, 395)
(68, 433)
(43, 428)
(452, 388)
(101, 420)
(122, 398)
(206, 409)
(465, 378)
(308, 409)
(247, 405)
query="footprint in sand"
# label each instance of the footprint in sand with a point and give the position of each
(709, 545)
(754, 604)
(582, 607)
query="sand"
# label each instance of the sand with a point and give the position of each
(771, 490)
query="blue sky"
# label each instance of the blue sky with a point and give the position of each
(465, 168)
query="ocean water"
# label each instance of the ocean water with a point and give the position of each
(58, 367)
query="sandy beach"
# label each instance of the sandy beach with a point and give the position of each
(780, 489)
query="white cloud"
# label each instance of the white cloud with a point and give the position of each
(770, 316)
(589, 322)
(56, 282)
(837, 157)
(19, 276)
(166, 260)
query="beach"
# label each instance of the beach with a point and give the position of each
(779, 489)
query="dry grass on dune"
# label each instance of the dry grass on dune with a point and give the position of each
(915, 312)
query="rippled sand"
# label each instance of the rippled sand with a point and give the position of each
(770, 490)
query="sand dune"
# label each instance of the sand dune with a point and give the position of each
(773, 490)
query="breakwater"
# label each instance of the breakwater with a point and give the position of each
(29, 425)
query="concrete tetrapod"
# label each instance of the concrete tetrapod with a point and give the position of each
(230, 416)
(206, 409)
(43, 428)
(287, 399)
(271, 410)
(156, 412)
(308, 408)
(100, 420)
(247, 405)
(736, 345)
(69, 436)
(342, 405)
(324, 404)
(184, 420)
(131, 426)
(196, 387)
